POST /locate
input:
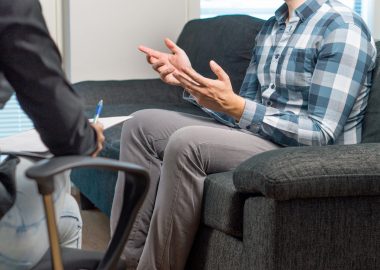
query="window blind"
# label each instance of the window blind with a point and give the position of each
(13, 119)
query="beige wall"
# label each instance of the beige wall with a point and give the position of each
(101, 36)
(376, 20)
(52, 12)
(373, 19)
(104, 35)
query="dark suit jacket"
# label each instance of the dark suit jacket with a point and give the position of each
(31, 63)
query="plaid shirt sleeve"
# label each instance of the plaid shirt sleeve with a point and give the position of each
(344, 59)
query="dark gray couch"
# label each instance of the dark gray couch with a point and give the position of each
(292, 208)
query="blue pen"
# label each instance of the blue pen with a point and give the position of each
(99, 108)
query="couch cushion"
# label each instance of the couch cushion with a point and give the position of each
(223, 205)
(312, 172)
(371, 125)
(205, 40)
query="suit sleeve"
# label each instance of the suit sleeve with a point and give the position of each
(31, 63)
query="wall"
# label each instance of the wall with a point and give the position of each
(104, 34)
(376, 19)
(101, 36)
(52, 12)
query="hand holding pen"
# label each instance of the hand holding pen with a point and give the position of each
(98, 129)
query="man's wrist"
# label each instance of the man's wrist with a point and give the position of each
(236, 107)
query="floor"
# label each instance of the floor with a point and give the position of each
(96, 233)
(96, 227)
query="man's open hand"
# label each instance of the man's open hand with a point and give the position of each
(167, 63)
(216, 95)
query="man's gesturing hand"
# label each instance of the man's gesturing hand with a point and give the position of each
(167, 63)
(216, 95)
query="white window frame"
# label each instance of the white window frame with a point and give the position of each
(368, 12)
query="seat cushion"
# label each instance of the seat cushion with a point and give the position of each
(223, 205)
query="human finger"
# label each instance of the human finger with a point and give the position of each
(172, 46)
(196, 77)
(218, 71)
(149, 51)
(188, 84)
(151, 60)
(166, 72)
(158, 64)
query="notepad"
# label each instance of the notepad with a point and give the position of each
(30, 140)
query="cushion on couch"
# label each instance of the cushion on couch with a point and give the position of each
(312, 172)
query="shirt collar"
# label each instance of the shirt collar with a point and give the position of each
(303, 12)
(281, 13)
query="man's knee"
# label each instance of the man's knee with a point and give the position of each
(183, 143)
(144, 123)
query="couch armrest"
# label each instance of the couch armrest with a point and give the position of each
(312, 172)
(152, 91)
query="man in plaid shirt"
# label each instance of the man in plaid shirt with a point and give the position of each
(307, 84)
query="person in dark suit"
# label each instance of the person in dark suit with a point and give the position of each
(31, 63)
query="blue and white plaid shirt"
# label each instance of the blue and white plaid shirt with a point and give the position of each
(309, 79)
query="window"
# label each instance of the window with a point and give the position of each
(263, 9)
(13, 119)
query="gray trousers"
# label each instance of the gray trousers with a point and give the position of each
(179, 151)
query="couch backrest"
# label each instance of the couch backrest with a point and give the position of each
(371, 125)
(228, 40)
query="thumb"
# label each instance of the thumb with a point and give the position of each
(219, 72)
(172, 46)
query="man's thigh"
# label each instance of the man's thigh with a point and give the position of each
(219, 149)
(156, 126)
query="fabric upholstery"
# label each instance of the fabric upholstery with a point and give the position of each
(226, 215)
(311, 172)
(128, 91)
(319, 234)
(213, 249)
(371, 127)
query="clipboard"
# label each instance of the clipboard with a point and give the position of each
(30, 140)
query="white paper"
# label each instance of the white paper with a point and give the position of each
(112, 121)
(30, 140)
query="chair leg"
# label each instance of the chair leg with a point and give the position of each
(53, 232)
